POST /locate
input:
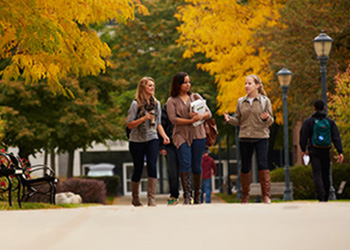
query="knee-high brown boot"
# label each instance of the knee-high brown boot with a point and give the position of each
(197, 182)
(245, 184)
(151, 191)
(186, 186)
(265, 182)
(135, 194)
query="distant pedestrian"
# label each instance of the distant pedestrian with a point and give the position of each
(144, 121)
(172, 160)
(208, 170)
(316, 135)
(188, 138)
(253, 116)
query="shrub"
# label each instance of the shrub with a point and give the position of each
(303, 184)
(91, 191)
(112, 183)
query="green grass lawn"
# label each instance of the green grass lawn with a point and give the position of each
(37, 205)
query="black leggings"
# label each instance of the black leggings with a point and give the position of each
(247, 149)
(140, 150)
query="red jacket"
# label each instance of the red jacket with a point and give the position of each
(208, 167)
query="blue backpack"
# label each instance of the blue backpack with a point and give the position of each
(321, 136)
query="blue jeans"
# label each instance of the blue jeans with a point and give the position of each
(247, 149)
(206, 188)
(140, 150)
(190, 157)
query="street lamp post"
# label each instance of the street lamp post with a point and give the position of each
(284, 78)
(323, 46)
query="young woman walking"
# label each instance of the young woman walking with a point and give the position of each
(189, 140)
(144, 121)
(253, 116)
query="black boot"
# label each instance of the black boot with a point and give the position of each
(197, 182)
(186, 186)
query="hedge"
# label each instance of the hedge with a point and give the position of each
(303, 184)
(111, 182)
(91, 191)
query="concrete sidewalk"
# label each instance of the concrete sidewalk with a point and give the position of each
(219, 226)
(161, 199)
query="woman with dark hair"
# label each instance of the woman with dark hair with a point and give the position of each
(188, 137)
(144, 121)
(253, 116)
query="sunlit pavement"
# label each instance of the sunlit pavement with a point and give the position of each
(292, 225)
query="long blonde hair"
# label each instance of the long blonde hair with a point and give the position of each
(257, 80)
(140, 95)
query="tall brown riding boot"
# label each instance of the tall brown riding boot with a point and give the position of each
(265, 182)
(186, 186)
(245, 183)
(151, 191)
(135, 194)
(197, 182)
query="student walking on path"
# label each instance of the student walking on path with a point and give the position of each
(208, 170)
(253, 116)
(189, 140)
(144, 121)
(172, 160)
(316, 135)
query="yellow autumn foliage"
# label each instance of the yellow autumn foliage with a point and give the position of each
(50, 39)
(224, 32)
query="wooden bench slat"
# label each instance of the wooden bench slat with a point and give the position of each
(277, 188)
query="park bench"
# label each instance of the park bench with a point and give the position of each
(277, 188)
(8, 172)
(36, 179)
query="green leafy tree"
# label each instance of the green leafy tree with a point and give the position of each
(290, 43)
(146, 46)
(339, 109)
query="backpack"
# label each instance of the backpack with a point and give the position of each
(321, 136)
(127, 130)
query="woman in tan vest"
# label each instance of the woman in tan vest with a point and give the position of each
(253, 116)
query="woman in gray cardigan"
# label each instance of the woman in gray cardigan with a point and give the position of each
(253, 116)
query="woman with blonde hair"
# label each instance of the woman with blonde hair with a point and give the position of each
(253, 116)
(144, 120)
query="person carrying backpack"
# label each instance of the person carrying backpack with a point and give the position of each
(253, 116)
(316, 135)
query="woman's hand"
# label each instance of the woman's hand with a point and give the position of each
(166, 140)
(264, 115)
(149, 116)
(162, 152)
(192, 114)
(226, 116)
(196, 118)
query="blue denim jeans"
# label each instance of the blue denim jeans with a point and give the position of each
(190, 157)
(140, 150)
(247, 149)
(206, 188)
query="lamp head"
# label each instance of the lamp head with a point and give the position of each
(323, 45)
(284, 77)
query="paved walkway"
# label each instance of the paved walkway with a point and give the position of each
(218, 226)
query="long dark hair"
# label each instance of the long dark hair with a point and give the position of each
(178, 80)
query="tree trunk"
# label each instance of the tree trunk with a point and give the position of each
(70, 164)
(52, 160)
